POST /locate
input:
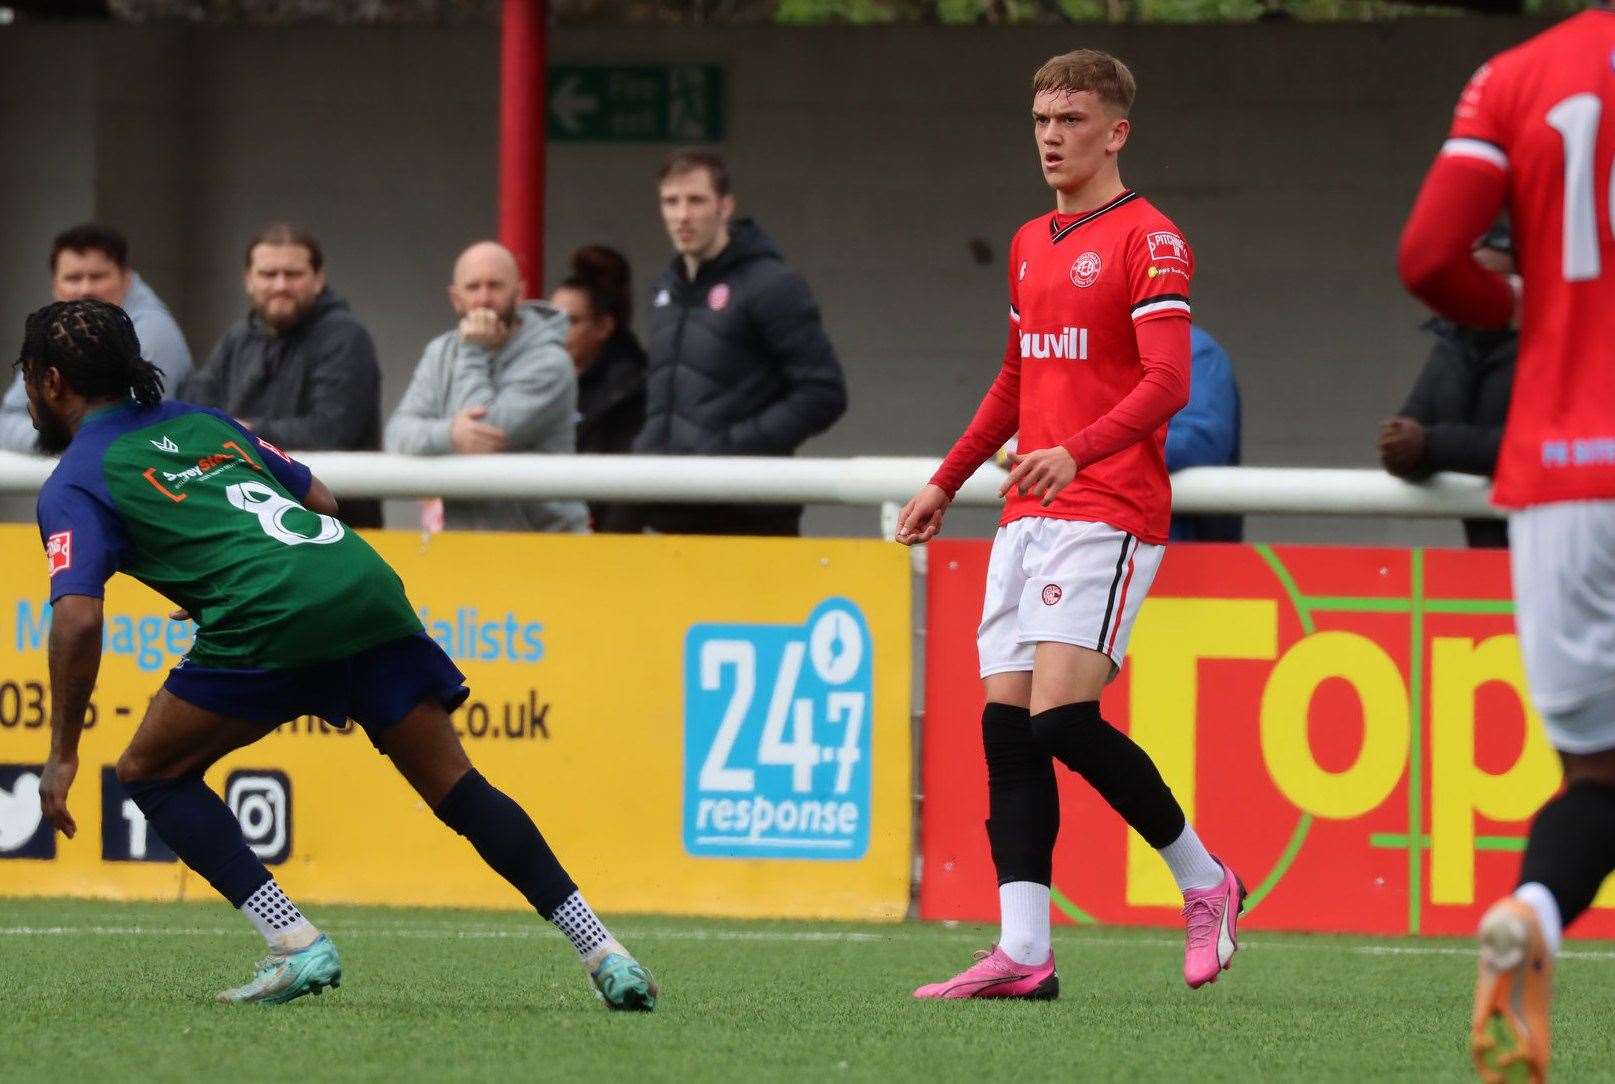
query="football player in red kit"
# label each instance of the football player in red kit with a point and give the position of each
(1535, 129)
(1096, 364)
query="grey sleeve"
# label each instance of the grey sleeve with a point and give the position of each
(535, 398)
(419, 426)
(16, 427)
(164, 346)
(344, 386)
(815, 390)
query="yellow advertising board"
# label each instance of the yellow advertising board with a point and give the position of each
(699, 726)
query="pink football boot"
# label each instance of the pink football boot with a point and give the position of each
(1211, 918)
(996, 975)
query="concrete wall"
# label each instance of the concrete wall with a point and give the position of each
(1289, 154)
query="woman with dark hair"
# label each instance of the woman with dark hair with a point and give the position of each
(596, 295)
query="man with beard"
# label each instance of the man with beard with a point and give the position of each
(501, 381)
(92, 260)
(299, 370)
(191, 503)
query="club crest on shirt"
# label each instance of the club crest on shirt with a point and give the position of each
(718, 297)
(1167, 246)
(59, 551)
(1085, 271)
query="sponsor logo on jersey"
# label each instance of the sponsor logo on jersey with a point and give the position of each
(205, 466)
(1051, 594)
(1168, 247)
(59, 551)
(1157, 271)
(1085, 271)
(718, 297)
(166, 444)
(1070, 343)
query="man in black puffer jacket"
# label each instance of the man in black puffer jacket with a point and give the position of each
(739, 362)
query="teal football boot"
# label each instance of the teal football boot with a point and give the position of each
(285, 977)
(623, 984)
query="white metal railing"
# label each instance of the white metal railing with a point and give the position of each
(860, 480)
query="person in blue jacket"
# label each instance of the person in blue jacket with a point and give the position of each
(1205, 433)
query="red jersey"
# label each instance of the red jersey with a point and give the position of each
(1080, 286)
(1540, 118)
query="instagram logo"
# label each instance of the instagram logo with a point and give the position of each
(261, 800)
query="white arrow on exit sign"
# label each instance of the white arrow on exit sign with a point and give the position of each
(570, 105)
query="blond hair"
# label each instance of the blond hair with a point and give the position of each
(1088, 69)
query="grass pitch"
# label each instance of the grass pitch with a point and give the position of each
(113, 992)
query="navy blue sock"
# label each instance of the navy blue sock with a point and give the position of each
(508, 840)
(199, 827)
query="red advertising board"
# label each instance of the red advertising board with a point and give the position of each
(1346, 727)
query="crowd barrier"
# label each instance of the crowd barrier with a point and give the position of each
(722, 726)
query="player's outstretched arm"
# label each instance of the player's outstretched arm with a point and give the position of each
(75, 659)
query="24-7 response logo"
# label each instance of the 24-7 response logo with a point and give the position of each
(777, 737)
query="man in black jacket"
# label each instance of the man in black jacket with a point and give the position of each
(299, 370)
(739, 362)
(1453, 418)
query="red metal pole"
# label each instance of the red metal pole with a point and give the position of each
(521, 137)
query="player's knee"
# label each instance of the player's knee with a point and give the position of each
(1066, 730)
(131, 768)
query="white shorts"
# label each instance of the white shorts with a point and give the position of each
(1062, 581)
(1563, 559)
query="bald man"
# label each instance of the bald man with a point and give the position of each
(501, 381)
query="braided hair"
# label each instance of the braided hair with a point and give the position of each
(95, 348)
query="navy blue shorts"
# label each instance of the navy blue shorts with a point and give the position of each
(375, 688)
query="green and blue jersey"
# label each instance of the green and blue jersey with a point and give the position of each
(194, 506)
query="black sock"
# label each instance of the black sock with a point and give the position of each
(1114, 765)
(201, 830)
(1022, 800)
(508, 840)
(1571, 848)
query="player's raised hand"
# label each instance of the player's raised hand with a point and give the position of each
(54, 783)
(471, 436)
(1041, 474)
(921, 517)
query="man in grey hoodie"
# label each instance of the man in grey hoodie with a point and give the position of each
(92, 261)
(501, 381)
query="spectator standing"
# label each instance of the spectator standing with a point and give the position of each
(300, 369)
(92, 261)
(500, 381)
(1453, 418)
(609, 362)
(739, 361)
(1205, 433)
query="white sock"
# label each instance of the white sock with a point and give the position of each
(1537, 897)
(1191, 864)
(278, 919)
(1023, 908)
(582, 927)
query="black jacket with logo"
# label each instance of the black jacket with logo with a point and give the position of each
(316, 387)
(739, 365)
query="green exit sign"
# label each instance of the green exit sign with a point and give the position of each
(678, 103)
